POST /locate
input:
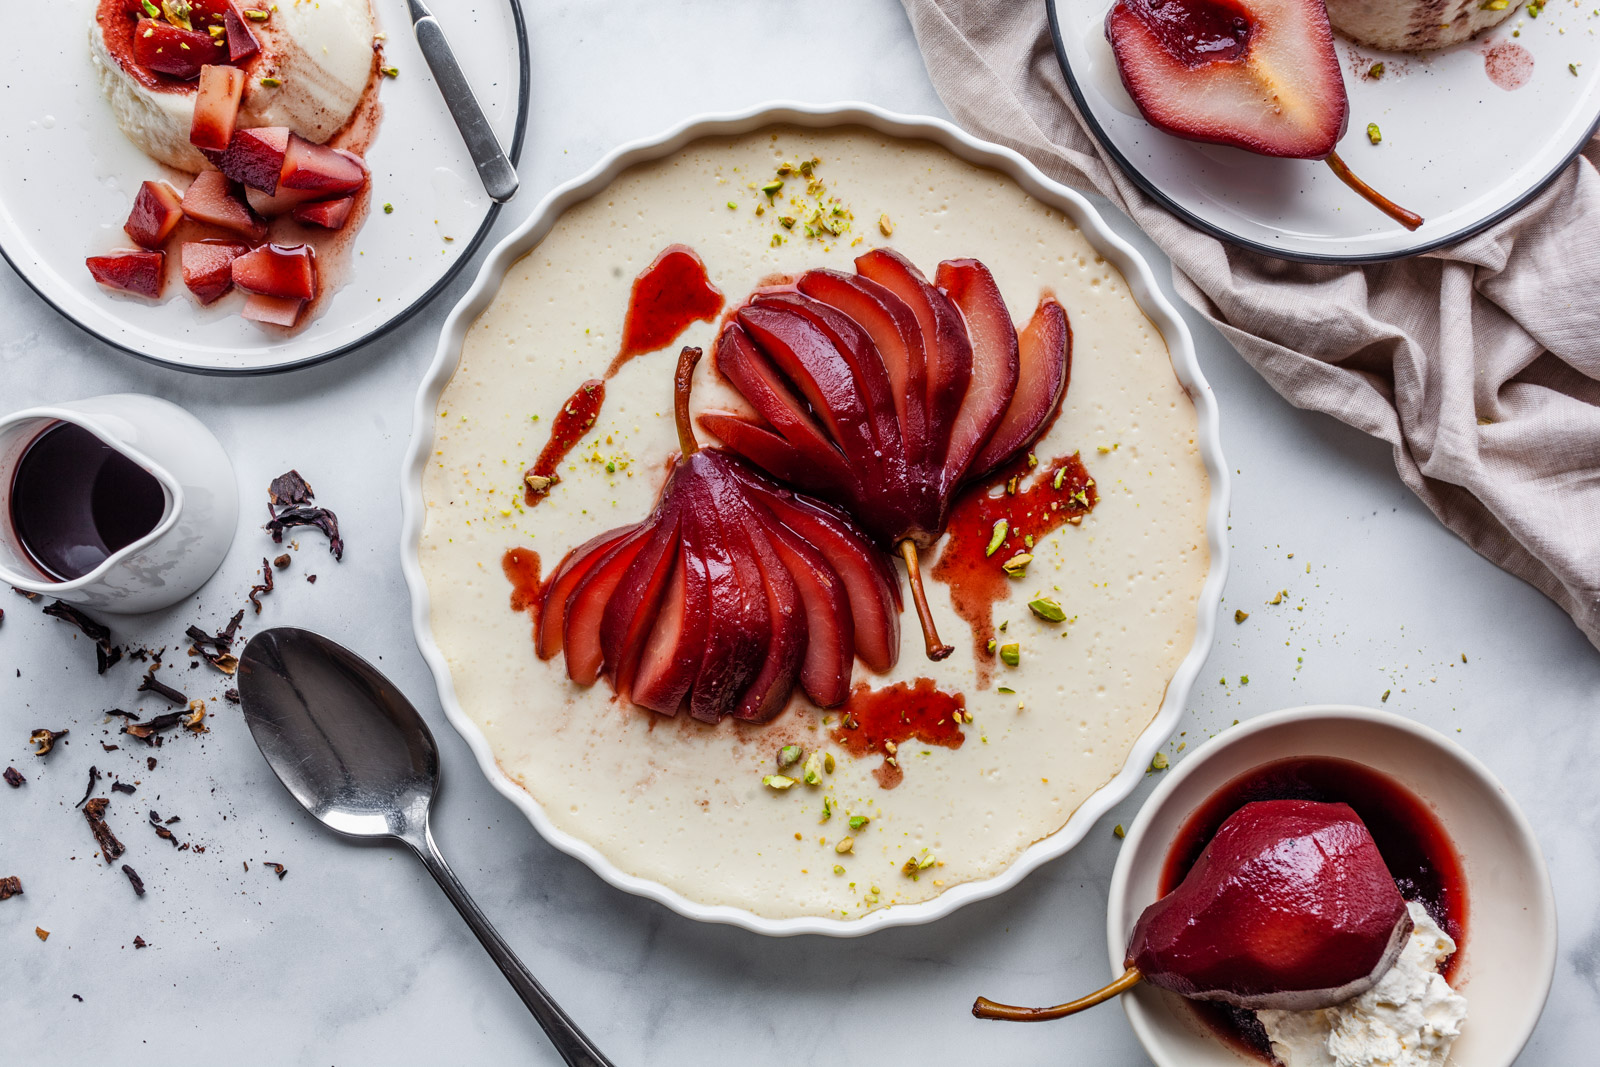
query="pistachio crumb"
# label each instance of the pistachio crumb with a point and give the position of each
(789, 755)
(1118, 831)
(845, 844)
(777, 781)
(1240, 615)
(885, 227)
(1374, 134)
(1159, 762)
(1011, 654)
(997, 536)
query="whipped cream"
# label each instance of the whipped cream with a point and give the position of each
(320, 54)
(1409, 1019)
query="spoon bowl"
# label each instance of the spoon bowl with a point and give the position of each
(356, 754)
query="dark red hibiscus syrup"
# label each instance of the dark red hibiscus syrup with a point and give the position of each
(75, 500)
(1414, 846)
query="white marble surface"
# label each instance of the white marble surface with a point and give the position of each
(355, 957)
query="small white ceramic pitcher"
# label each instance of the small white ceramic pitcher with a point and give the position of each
(197, 523)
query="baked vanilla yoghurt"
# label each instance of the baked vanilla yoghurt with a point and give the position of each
(1415, 25)
(681, 803)
(1409, 1019)
(317, 58)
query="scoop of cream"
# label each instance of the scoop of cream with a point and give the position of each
(318, 57)
(1409, 1019)
(1414, 25)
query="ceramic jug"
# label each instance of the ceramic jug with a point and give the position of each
(198, 520)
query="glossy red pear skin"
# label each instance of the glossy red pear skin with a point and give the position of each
(732, 593)
(211, 198)
(1044, 349)
(254, 157)
(157, 210)
(285, 271)
(166, 49)
(273, 310)
(136, 271)
(1261, 75)
(329, 214)
(208, 267)
(995, 362)
(242, 43)
(216, 107)
(1290, 906)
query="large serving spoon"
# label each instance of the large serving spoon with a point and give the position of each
(356, 754)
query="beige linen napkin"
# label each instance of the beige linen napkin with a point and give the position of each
(1478, 363)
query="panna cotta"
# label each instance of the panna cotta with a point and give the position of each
(1415, 25)
(311, 65)
(931, 774)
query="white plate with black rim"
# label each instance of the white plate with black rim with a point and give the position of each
(1141, 284)
(1468, 135)
(70, 175)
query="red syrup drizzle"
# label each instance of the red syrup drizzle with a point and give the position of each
(903, 712)
(668, 295)
(1027, 498)
(1418, 852)
(521, 567)
(574, 420)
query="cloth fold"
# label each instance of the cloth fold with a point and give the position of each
(1478, 363)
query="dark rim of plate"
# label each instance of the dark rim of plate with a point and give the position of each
(1150, 189)
(519, 131)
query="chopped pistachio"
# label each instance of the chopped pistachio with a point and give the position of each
(789, 754)
(827, 809)
(1027, 539)
(845, 844)
(925, 863)
(1572, 68)
(1385, 698)
(1244, 679)
(885, 227)
(255, 15)
(1375, 71)
(388, 209)
(733, 206)
(540, 484)
(1005, 689)
(813, 769)
(1159, 763)
(772, 187)
(1047, 609)
(1118, 831)
(990, 646)
(1011, 654)
(1277, 598)
(909, 868)
(858, 821)
(1003, 624)
(1017, 565)
(390, 72)
(777, 781)
(1240, 615)
(837, 869)
(150, 9)
(270, 83)
(997, 536)
(1494, 5)
(827, 762)
(786, 221)
(1374, 134)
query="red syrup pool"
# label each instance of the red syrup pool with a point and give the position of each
(1414, 846)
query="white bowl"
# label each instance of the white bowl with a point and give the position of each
(1142, 284)
(1509, 952)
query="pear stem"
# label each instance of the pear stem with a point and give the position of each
(1409, 219)
(984, 1008)
(681, 384)
(937, 649)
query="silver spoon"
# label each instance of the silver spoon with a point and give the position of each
(494, 169)
(356, 754)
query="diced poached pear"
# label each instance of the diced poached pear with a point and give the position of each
(287, 271)
(157, 210)
(216, 107)
(329, 214)
(312, 167)
(163, 48)
(242, 43)
(273, 310)
(208, 267)
(211, 198)
(136, 271)
(254, 157)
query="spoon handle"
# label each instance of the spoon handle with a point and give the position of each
(575, 1048)
(498, 175)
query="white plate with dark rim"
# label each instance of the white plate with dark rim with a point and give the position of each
(1455, 148)
(1508, 956)
(70, 176)
(1119, 253)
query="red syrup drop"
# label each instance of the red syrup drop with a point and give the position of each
(1414, 846)
(521, 567)
(670, 294)
(1028, 499)
(900, 713)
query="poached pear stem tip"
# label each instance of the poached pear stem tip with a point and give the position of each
(984, 1008)
(937, 649)
(682, 382)
(1409, 219)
